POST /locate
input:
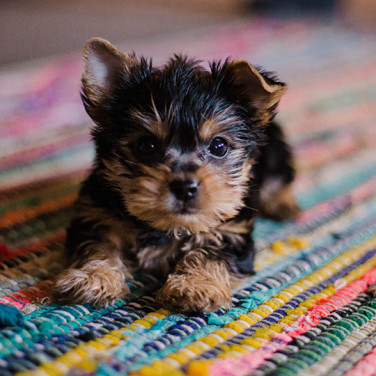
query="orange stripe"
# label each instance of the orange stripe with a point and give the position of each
(17, 217)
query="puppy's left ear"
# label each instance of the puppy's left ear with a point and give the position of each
(105, 68)
(258, 92)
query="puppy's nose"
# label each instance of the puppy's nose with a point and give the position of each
(184, 190)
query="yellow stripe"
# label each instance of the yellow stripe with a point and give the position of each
(279, 249)
(82, 355)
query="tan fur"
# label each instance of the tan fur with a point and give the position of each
(220, 196)
(237, 282)
(232, 230)
(98, 275)
(118, 232)
(97, 278)
(198, 284)
(98, 272)
(156, 258)
(241, 227)
(115, 60)
(263, 95)
(209, 129)
(109, 244)
(278, 201)
(152, 124)
(216, 126)
(114, 172)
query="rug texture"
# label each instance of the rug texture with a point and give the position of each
(305, 312)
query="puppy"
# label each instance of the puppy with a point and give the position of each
(186, 157)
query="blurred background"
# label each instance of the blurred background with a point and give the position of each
(44, 130)
(32, 29)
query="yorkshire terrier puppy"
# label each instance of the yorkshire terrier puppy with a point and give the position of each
(186, 157)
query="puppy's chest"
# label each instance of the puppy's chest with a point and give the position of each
(157, 251)
(160, 252)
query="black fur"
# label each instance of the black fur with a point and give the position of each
(190, 92)
(184, 95)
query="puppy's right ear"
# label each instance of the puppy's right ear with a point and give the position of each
(257, 91)
(104, 68)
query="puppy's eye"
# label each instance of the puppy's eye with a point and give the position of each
(218, 147)
(147, 145)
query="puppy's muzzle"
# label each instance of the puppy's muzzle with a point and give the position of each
(185, 190)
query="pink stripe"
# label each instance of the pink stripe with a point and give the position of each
(248, 362)
(317, 152)
(11, 302)
(365, 367)
(298, 93)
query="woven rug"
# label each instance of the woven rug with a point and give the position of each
(306, 310)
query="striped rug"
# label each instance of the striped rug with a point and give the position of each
(306, 310)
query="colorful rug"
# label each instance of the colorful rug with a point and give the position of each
(305, 312)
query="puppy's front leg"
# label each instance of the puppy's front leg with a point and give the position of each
(97, 277)
(95, 245)
(199, 283)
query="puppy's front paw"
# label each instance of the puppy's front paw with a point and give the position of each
(182, 293)
(280, 205)
(97, 285)
(285, 210)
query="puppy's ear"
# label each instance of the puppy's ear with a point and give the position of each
(104, 68)
(258, 92)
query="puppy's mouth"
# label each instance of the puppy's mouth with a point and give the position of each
(184, 208)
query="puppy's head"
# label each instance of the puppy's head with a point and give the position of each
(176, 142)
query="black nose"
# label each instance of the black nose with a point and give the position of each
(184, 189)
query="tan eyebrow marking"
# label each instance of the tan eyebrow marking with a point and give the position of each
(152, 124)
(216, 126)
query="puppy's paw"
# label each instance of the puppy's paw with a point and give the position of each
(284, 210)
(182, 293)
(279, 206)
(93, 284)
